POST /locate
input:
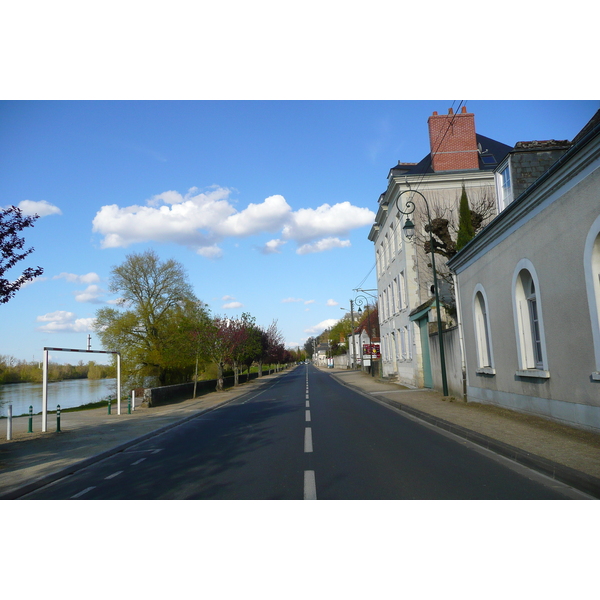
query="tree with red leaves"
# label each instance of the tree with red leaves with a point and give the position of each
(12, 221)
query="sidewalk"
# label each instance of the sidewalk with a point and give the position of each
(30, 460)
(565, 453)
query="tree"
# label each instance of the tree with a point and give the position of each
(466, 228)
(155, 331)
(12, 221)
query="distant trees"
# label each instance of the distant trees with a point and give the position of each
(163, 331)
(13, 370)
(12, 221)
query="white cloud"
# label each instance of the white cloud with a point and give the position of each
(91, 294)
(41, 208)
(64, 321)
(72, 278)
(322, 245)
(331, 302)
(228, 298)
(325, 221)
(309, 302)
(202, 220)
(233, 305)
(211, 252)
(322, 326)
(272, 247)
(287, 300)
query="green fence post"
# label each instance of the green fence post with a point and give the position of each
(30, 420)
(129, 405)
(109, 400)
(58, 418)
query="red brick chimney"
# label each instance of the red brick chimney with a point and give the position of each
(452, 141)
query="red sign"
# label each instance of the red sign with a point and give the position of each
(372, 351)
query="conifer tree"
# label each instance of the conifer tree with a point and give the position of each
(466, 231)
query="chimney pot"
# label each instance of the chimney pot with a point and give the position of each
(464, 110)
(435, 113)
(450, 111)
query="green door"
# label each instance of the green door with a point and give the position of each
(427, 377)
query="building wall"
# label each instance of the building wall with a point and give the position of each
(551, 239)
(395, 256)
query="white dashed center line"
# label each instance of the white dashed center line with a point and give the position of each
(137, 462)
(310, 486)
(308, 415)
(113, 475)
(83, 492)
(308, 445)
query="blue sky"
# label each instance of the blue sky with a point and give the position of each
(267, 204)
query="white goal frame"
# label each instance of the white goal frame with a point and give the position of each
(45, 379)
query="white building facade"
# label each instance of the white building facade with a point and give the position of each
(459, 157)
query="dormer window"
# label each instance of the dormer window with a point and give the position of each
(505, 193)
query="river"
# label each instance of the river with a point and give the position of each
(69, 394)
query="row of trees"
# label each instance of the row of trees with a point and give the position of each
(13, 370)
(163, 331)
(337, 335)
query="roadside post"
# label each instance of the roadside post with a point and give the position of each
(58, 418)
(128, 406)
(30, 430)
(109, 401)
(9, 423)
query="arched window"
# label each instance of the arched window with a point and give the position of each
(528, 321)
(592, 275)
(482, 331)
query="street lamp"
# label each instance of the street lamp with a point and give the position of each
(360, 300)
(409, 232)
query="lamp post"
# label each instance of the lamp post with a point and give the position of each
(360, 300)
(409, 232)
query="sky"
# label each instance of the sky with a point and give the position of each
(267, 204)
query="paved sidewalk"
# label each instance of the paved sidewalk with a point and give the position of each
(565, 453)
(33, 459)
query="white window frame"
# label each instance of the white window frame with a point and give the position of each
(528, 365)
(483, 332)
(591, 265)
(504, 188)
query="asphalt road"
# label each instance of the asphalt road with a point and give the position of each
(304, 436)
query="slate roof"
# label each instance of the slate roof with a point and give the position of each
(489, 147)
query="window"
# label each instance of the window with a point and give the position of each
(505, 194)
(396, 296)
(529, 325)
(535, 327)
(482, 332)
(592, 275)
(402, 284)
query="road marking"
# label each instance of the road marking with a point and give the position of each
(307, 396)
(308, 415)
(137, 462)
(113, 475)
(157, 451)
(308, 445)
(83, 492)
(310, 486)
(307, 404)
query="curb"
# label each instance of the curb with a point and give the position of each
(581, 481)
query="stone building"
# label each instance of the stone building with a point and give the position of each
(459, 157)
